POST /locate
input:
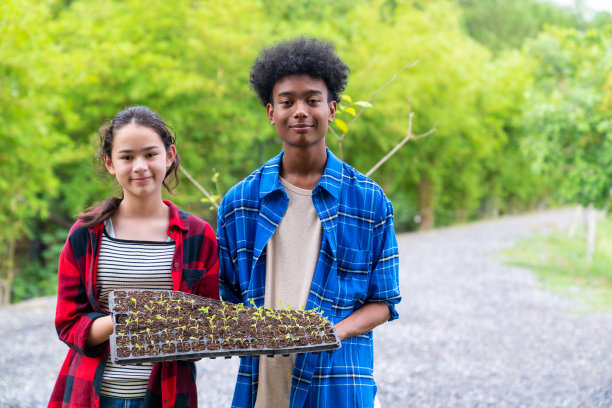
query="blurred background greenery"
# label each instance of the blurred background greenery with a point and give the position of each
(520, 93)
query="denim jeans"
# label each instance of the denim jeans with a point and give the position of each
(110, 402)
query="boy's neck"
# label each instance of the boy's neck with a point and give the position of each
(303, 167)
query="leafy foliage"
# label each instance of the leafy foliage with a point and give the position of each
(503, 25)
(568, 111)
(69, 66)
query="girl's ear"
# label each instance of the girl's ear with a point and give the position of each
(170, 156)
(109, 165)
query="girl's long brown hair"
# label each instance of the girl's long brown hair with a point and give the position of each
(138, 115)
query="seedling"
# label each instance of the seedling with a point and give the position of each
(164, 328)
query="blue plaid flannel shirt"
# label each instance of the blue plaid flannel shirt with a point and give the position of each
(358, 263)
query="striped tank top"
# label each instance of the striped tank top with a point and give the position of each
(124, 264)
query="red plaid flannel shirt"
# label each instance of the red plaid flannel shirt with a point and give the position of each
(195, 269)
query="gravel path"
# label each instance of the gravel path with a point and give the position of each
(471, 333)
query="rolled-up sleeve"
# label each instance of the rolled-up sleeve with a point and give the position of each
(384, 280)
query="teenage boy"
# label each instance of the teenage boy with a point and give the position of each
(308, 230)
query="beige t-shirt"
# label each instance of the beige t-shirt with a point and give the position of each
(291, 259)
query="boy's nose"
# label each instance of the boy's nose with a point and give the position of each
(300, 109)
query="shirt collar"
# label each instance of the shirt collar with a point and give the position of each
(331, 180)
(177, 218)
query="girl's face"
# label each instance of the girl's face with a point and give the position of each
(139, 161)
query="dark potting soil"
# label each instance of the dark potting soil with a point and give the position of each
(155, 326)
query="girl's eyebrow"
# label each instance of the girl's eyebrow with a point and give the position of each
(142, 150)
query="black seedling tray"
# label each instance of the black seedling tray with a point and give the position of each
(153, 326)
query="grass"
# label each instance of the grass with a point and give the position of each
(560, 263)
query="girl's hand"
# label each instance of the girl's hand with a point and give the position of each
(100, 331)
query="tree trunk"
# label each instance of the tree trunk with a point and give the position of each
(575, 222)
(7, 267)
(426, 208)
(591, 232)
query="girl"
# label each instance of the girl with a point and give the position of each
(139, 241)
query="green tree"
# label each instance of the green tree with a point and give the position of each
(568, 113)
(506, 24)
(30, 146)
(456, 84)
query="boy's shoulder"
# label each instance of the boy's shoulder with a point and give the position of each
(354, 183)
(351, 184)
(246, 191)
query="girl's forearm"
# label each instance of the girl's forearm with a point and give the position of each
(363, 320)
(100, 331)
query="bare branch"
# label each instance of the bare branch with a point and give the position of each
(202, 189)
(341, 137)
(410, 64)
(408, 137)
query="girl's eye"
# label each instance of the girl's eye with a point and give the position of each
(126, 158)
(151, 154)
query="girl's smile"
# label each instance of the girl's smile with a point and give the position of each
(139, 161)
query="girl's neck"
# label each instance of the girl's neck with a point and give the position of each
(142, 209)
(142, 220)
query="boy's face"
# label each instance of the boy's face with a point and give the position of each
(301, 113)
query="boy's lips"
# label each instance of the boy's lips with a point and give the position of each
(299, 126)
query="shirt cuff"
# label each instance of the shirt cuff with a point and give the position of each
(394, 314)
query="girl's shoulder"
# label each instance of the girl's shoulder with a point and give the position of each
(187, 221)
(195, 222)
(79, 228)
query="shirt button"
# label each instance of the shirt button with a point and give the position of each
(175, 264)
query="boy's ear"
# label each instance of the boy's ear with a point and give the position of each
(270, 112)
(108, 163)
(333, 106)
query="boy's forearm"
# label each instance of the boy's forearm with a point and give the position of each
(363, 320)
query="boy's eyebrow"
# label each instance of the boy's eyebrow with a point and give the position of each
(142, 150)
(309, 92)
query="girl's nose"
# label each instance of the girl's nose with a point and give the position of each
(140, 164)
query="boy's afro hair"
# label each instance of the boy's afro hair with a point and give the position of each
(298, 56)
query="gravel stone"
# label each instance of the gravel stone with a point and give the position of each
(472, 333)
